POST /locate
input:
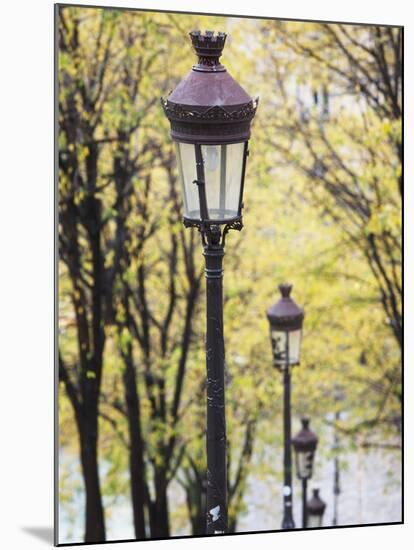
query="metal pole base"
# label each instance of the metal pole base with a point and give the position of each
(288, 522)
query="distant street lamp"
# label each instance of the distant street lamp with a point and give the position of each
(315, 509)
(210, 116)
(286, 321)
(304, 443)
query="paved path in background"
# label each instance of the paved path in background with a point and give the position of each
(370, 493)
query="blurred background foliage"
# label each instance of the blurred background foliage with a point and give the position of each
(322, 210)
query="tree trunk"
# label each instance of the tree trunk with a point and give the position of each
(161, 520)
(232, 524)
(94, 514)
(197, 507)
(136, 449)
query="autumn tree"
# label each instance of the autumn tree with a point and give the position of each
(353, 151)
(337, 92)
(99, 114)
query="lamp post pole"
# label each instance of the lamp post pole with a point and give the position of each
(210, 116)
(287, 522)
(339, 396)
(216, 418)
(304, 501)
(336, 485)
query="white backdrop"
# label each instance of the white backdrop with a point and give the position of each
(26, 272)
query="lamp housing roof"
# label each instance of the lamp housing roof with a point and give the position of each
(305, 440)
(208, 106)
(285, 315)
(316, 506)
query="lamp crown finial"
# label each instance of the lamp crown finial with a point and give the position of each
(208, 47)
(305, 422)
(285, 289)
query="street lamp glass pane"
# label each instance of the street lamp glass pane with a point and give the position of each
(294, 346)
(314, 520)
(304, 462)
(215, 188)
(186, 162)
(223, 168)
(234, 169)
(279, 346)
(223, 165)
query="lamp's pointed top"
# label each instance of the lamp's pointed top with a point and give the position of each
(208, 47)
(305, 440)
(316, 506)
(285, 289)
(285, 314)
(208, 106)
(305, 422)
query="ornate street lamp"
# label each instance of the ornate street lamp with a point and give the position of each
(210, 116)
(286, 321)
(315, 509)
(304, 444)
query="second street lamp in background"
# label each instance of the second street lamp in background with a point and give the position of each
(315, 509)
(304, 443)
(210, 116)
(286, 321)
